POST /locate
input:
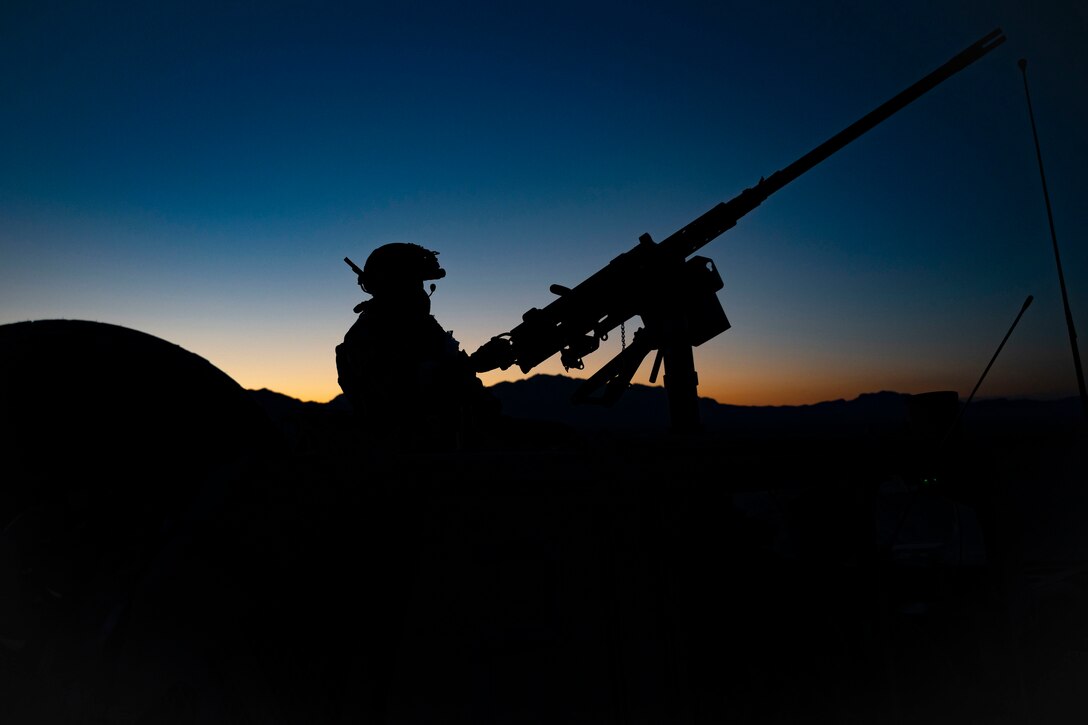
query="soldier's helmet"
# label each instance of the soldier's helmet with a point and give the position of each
(397, 265)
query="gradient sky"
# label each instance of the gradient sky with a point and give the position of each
(198, 172)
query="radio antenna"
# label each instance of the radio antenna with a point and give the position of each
(948, 434)
(1023, 63)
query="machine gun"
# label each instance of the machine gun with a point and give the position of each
(673, 292)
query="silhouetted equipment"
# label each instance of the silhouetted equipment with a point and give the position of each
(931, 414)
(909, 508)
(1023, 63)
(1023, 309)
(674, 295)
(355, 268)
(359, 274)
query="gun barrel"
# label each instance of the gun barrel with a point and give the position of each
(612, 294)
(725, 215)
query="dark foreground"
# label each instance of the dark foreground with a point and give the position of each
(644, 581)
(156, 568)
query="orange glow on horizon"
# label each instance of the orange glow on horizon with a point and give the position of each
(752, 391)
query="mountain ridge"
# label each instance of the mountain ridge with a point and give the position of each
(644, 408)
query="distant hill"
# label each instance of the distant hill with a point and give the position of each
(644, 409)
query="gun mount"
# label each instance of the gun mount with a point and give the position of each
(672, 292)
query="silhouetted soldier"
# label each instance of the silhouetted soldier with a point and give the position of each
(406, 377)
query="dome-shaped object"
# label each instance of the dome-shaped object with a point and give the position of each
(397, 264)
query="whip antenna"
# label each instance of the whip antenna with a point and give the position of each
(1023, 63)
(997, 352)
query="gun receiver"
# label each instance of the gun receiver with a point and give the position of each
(675, 296)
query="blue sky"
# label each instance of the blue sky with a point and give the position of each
(198, 172)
